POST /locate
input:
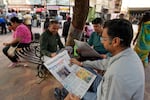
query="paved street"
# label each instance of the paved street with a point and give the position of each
(21, 83)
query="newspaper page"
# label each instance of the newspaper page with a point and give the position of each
(85, 49)
(73, 77)
(62, 55)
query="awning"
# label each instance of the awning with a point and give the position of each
(53, 7)
(40, 9)
(138, 9)
(20, 7)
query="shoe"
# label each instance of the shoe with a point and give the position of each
(14, 64)
(24, 62)
(64, 93)
(25, 65)
(57, 94)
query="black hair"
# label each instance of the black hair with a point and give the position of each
(69, 19)
(98, 21)
(146, 16)
(121, 28)
(15, 19)
(87, 23)
(9, 24)
(53, 22)
(121, 15)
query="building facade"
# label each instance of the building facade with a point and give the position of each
(2, 5)
(101, 8)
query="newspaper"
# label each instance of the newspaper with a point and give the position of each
(73, 77)
(85, 49)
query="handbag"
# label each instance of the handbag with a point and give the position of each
(11, 50)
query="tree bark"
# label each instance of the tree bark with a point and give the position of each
(80, 13)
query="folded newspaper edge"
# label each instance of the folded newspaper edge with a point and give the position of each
(85, 49)
(74, 78)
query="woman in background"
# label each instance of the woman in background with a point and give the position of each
(21, 35)
(142, 46)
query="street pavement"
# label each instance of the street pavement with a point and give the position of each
(21, 83)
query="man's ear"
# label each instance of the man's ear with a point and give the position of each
(116, 41)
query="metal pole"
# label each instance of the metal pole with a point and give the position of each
(46, 5)
(69, 7)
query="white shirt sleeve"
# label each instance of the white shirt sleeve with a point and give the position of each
(98, 64)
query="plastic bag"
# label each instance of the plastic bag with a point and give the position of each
(11, 51)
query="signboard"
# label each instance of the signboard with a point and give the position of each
(33, 2)
(63, 2)
(58, 2)
(51, 2)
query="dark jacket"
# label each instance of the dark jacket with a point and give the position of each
(49, 43)
(66, 28)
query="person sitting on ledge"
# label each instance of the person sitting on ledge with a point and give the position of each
(21, 37)
(50, 41)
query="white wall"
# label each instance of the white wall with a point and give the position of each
(135, 4)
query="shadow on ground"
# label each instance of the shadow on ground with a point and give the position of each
(21, 83)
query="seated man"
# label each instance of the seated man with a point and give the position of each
(94, 40)
(50, 41)
(124, 78)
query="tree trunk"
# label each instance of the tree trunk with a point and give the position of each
(80, 13)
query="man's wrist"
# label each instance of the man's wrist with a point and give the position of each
(81, 64)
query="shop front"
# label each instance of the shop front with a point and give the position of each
(20, 7)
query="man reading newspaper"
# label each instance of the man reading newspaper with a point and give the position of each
(124, 78)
